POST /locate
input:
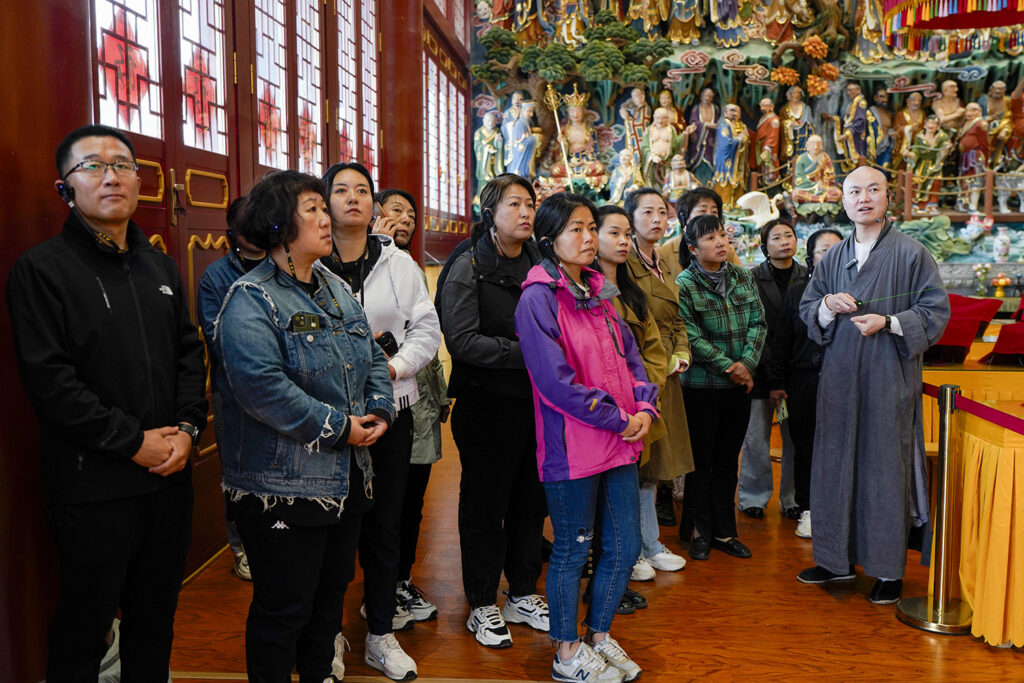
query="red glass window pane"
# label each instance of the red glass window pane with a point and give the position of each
(128, 86)
(309, 103)
(271, 76)
(347, 121)
(204, 120)
(368, 54)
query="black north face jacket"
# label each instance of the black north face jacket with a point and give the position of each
(106, 350)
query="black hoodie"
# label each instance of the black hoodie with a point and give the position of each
(106, 350)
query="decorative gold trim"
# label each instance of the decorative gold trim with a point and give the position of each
(206, 174)
(208, 242)
(158, 242)
(159, 196)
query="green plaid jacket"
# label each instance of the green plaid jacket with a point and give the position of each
(721, 330)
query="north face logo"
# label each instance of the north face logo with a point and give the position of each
(164, 289)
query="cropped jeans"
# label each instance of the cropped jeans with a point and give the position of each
(610, 500)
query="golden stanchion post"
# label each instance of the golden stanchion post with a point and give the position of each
(938, 612)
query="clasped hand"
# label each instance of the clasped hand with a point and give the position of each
(365, 429)
(739, 374)
(636, 427)
(164, 450)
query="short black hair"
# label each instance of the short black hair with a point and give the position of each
(695, 229)
(812, 242)
(766, 229)
(686, 203)
(633, 198)
(271, 205)
(384, 195)
(236, 220)
(90, 131)
(552, 217)
(338, 168)
(612, 210)
(491, 195)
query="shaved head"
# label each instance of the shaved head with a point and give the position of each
(866, 198)
(864, 176)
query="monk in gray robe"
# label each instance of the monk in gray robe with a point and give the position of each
(875, 303)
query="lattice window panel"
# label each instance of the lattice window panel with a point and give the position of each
(442, 134)
(271, 79)
(348, 124)
(310, 101)
(460, 157)
(371, 145)
(128, 87)
(459, 20)
(203, 63)
(433, 161)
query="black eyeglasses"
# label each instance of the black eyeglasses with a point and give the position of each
(95, 167)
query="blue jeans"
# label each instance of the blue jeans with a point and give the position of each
(610, 499)
(756, 483)
(649, 530)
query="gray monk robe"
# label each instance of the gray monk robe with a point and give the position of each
(867, 474)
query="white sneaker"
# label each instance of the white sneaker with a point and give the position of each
(616, 656)
(489, 627)
(803, 528)
(338, 663)
(401, 621)
(585, 665)
(528, 609)
(242, 567)
(642, 571)
(665, 561)
(387, 656)
(409, 596)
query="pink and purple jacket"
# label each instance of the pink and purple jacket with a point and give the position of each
(587, 374)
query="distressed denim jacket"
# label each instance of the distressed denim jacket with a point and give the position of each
(294, 375)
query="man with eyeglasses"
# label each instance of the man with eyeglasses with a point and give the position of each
(114, 368)
(875, 303)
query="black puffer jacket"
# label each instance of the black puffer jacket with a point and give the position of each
(106, 350)
(478, 305)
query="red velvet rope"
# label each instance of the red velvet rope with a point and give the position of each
(987, 413)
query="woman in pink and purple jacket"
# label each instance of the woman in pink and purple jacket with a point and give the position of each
(593, 405)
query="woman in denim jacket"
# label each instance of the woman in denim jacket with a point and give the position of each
(307, 391)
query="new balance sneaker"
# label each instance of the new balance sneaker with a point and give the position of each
(803, 528)
(387, 656)
(586, 665)
(666, 561)
(401, 621)
(616, 656)
(242, 567)
(411, 598)
(489, 627)
(338, 663)
(528, 609)
(642, 571)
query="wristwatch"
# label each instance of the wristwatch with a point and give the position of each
(191, 430)
(888, 323)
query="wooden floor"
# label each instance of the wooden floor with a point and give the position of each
(724, 619)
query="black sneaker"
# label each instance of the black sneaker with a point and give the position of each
(639, 601)
(753, 512)
(886, 592)
(664, 507)
(821, 575)
(625, 606)
(791, 513)
(700, 549)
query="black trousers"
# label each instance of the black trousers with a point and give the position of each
(379, 543)
(802, 401)
(299, 577)
(718, 422)
(412, 517)
(501, 502)
(127, 553)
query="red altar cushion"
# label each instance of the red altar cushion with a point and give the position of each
(975, 308)
(955, 342)
(1009, 348)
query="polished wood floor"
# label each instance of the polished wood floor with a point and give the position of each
(724, 619)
